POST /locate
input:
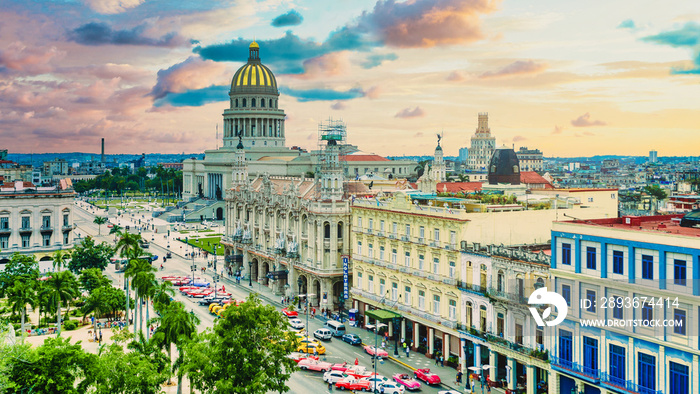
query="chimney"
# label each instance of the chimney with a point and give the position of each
(103, 151)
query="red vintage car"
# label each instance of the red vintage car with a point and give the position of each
(407, 381)
(314, 365)
(426, 376)
(298, 356)
(358, 372)
(290, 314)
(350, 383)
(375, 351)
(341, 367)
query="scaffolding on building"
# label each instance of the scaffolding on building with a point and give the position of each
(331, 132)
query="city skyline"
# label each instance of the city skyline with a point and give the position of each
(154, 76)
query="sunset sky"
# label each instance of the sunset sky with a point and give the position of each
(570, 78)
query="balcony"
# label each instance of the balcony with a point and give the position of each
(626, 386)
(404, 238)
(470, 288)
(512, 297)
(586, 373)
(497, 340)
(25, 230)
(5, 230)
(46, 229)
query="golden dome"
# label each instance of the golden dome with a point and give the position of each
(254, 45)
(254, 75)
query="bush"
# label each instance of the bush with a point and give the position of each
(70, 325)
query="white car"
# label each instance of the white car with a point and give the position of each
(333, 376)
(393, 388)
(376, 381)
(296, 324)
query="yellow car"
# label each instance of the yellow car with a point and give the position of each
(216, 309)
(311, 348)
(300, 338)
(222, 309)
(211, 306)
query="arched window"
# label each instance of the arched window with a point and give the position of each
(326, 230)
(340, 230)
(244, 103)
(252, 103)
(262, 103)
(500, 281)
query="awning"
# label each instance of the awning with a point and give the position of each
(382, 314)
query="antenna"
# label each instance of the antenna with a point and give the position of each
(217, 136)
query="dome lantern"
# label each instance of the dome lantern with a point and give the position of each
(254, 77)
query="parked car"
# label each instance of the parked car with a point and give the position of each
(393, 388)
(333, 376)
(352, 339)
(350, 383)
(376, 381)
(311, 348)
(407, 381)
(290, 314)
(323, 334)
(375, 351)
(296, 324)
(296, 356)
(425, 375)
(358, 371)
(314, 365)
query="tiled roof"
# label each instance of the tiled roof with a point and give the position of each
(363, 158)
(454, 187)
(531, 177)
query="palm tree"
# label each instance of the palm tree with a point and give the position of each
(142, 274)
(116, 229)
(99, 221)
(164, 291)
(20, 295)
(176, 327)
(64, 287)
(59, 259)
(128, 246)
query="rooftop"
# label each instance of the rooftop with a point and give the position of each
(662, 224)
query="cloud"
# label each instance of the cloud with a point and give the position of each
(426, 23)
(322, 94)
(194, 98)
(686, 36)
(20, 59)
(518, 138)
(96, 33)
(291, 18)
(339, 105)
(375, 60)
(455, 76)
(324, 66)
(373, 92)
(405, 113)
(112, 6)
(586, 121)
(192, 74)
(588, 133)
(520, 67)
(627, 24)
(558, 129)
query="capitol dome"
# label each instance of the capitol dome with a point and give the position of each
(254, 77)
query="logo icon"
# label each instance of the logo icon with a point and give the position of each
(542, 296)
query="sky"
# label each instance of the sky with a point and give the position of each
(569, 78)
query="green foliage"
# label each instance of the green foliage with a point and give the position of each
(119, 179)
(63, 287)
(92, 278)
(104, 300)
(20, 268)
(207, 243)
(656, 191)
(99, 221)
(90, 255)
(70, 325)
(245, 353)
(119, 372)
(21, 294)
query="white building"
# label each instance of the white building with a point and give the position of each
(483, 145)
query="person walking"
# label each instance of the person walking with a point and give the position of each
(459, 377)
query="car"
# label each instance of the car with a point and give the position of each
(296, 324)
(425, 375)
(110, 225)
(358, 371)
(302, 338)
(352, 339)
(311, 348)
(341, 367)
(314, 365)
(351, 383)
(211, 306)
(393, 388)
(290, 314)
(333, 376)
(449, 392)
(407, 381)
(376, 381)
(375, 351)
(323, 334)
(296, 356)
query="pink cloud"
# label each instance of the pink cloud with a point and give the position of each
(29, 61)
(416, 112)
(455, 76)
(586, 121)
(519, 138)
(520, 67)
(373, 92)
(193, 73)
(426, 23)
(327, 65)
(338, 105)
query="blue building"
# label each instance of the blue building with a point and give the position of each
(633, 289)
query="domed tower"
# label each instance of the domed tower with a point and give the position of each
(253, 111)
(439, 168)
(504, 167)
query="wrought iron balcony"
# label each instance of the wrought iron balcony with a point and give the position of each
(587, 373)
(471, 288)
(46, 229)
(623, 385)
(25, 229)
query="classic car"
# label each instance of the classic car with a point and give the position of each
(314, 365)
(351, 383)
(425, 375)
(407, 381)
(375, 351)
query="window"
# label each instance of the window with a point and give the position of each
(518, 333)
(394, 291)
(394, 228)
(678, 378)
(566, 293)
(436, 266)
(679, 272)
(382, 287)
(262, 104)
(370, 251)
(381, 225)
(65, 238)
(647, 312)
(566, 254)
(359, 280)
(393, 256)
(679, 318)
(371, 225)
(436, 304)
(381, 253)
(4, 223)
(370, 283)
(565, 348)
(617, 365)
(244, 103)
(421, 300)
(359, 223)
(421, 232)
(618, 262)
(453, 309)
(359, 248)
(453, 266)
(617, 308)
(539, 337)
(25, 221)
(407, 259)
(46, 221)
(407, 299)
(421, 262)
(408, 230)
(46, 239)
(647, 371)
(25, 241)
(436, 235)
(591, 258)
(500, 323)
(590, 296)
(453, 239)
(252, 103)
(647, 267)
(3, 242)
(500, 281)
(590, 356)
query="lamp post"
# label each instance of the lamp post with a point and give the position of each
(250, 273)
(299, 282)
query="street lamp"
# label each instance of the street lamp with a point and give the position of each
(250, 273)
(299, 282)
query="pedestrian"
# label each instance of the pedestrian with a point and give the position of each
(442, 360)
(437, 359)
(100, 336)
(459, 377)
(330, 385)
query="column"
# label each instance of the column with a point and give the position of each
(431, 340)
(403, 329)
(477, 354)
(415, 336)
(391, 328)
(512, 375)
(531, 381)
(463, 355)
(446, 345)
(553, 382)
(493, 362)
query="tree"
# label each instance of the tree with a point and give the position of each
(116, 229)
(129, 372)
(177, 327)
(64, 287)
(99, 221)
(20, 267)
(143, 282)
(92, 278)
(104, 300)
(656, 191)
(21, 294)
(55, 367)
(59, 259)
(245, 353)
(163, 294)
(128, 246)
(89, 255)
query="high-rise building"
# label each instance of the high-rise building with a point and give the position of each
(530, 159)
(482, 145)
(653, 156)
